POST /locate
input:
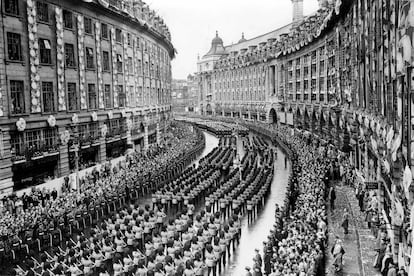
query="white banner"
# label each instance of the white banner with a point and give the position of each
(282, 117)
(289, 119)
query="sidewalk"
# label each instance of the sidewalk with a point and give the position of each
(359, 244)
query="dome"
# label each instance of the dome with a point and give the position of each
(242, 39)
(217, 40)
(217, 47)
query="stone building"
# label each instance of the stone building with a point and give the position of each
(184, 94)
(81, 82)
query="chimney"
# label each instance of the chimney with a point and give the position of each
(297, 11)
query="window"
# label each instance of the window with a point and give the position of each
(72, 97)
(131, 96)
(17, 143)
(119, 66)
(139, 67)
(48, 97)
(49, 137)
(105, 61)
(42, 12)
(89, 58)
(129, 39)
(118, 35)
(107, 92)
(92, 96)
(69, 55)
(93, 130)
(33, 139)
(121, 96)
(14, 46)
(45, 51)
(130, 66)
(104, 31)
(87, 22)
(11, 7)
(83, 131)
(67, 19)
(17, 97)
(139, 96)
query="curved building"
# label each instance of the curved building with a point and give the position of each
(81, 82)
(343, 74)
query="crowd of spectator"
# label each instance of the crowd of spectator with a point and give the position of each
(42, 211)
(297, 240)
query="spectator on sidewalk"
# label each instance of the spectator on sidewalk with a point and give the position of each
(392, 271)
(345, 221)
(371, 210)
(360, 194)
(337, 252)
(402, 272)
(385, 263)
(248, 273)
(258, 258)
(332, 196)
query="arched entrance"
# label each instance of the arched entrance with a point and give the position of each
(209, 110)
(298, 118)
(314, 122)
(272, 116)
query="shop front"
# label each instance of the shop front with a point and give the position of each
(116, 148)
(35, 171)
(35, 156)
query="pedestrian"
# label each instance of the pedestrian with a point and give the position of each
(248, 273)
(332, 196)
(257, 271)
(360, 196)
(345, 221)
(337, 252)
(267, 260)
(402, 272)
(392, 271)
(258, 258)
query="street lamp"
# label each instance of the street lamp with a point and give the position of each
(75, 139)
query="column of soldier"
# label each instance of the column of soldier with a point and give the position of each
(191, 228)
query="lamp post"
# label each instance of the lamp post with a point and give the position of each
(77, 167)
(75, 138)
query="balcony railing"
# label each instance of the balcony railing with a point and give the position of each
(34, 152)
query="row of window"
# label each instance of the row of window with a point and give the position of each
(17, 103)
(12, 7)
(14, 46)
(245, 95)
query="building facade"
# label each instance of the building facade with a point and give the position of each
(81, 82)
(184, 94)
(343, 74)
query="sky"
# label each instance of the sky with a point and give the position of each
(193, 24)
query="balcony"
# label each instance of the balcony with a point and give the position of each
(137, 130)
(24, 153)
